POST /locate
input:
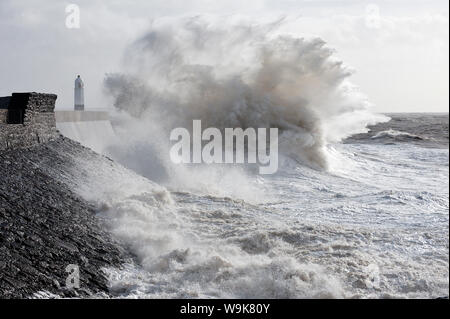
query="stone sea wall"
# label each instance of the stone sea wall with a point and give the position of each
(44, 225)
(36, 114)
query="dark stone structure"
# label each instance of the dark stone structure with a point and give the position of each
(4, 105)
(44, 225)
(27, 119)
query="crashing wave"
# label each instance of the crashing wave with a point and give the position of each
(239, 75)
(397, 135)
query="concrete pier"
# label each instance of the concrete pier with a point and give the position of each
(85, 116)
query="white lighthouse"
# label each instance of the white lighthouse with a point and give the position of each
(79, 94)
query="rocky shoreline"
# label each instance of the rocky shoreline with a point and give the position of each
(45, 226)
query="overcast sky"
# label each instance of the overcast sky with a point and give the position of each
(399, 49)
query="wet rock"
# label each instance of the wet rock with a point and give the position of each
(45, 226)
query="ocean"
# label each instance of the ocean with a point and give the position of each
(357, 209)
(373, 225)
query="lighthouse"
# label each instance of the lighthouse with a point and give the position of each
(79, 94)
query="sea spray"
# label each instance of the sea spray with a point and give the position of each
(239, 76)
